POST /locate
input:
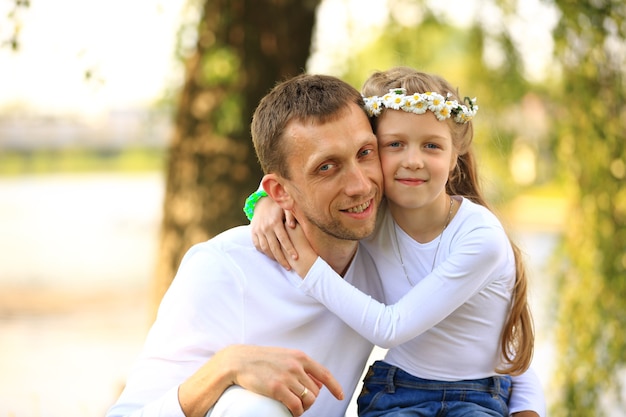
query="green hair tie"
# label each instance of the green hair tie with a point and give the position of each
(251, 201)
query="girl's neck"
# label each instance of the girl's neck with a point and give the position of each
(424, 224)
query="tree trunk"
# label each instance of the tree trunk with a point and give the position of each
(244, 47)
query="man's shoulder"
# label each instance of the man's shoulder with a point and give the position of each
(230, 239)
(235, 242)
(225, 255)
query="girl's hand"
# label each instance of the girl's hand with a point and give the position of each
(269, 233)
(306, 255)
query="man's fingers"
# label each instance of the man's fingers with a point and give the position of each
(309, 385)
(308, 396)
(281, 374)
(320, 375)
(300, 399)
(294, 403)
(318, 383)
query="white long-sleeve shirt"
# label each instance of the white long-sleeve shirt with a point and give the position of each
(443, 324)
(226, 292)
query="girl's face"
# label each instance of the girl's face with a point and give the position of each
(416, 155)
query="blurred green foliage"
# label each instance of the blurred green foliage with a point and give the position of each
(220, 65)
(590, 134)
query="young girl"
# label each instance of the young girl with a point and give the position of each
(459, 323)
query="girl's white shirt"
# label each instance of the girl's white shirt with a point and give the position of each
(440, 325)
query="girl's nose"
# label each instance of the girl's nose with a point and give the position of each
(413, 159)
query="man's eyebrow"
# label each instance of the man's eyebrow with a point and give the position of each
(369, 139)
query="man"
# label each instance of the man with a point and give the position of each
(213, 347)
(320, 156)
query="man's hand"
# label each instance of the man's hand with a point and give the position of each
(278, 373)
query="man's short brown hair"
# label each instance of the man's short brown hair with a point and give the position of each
(304, 98)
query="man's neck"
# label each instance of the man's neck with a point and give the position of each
(338, 254)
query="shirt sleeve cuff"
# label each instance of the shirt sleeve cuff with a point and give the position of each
(317, 270)
(527, 394)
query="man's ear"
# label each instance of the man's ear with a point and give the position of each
(274, 186)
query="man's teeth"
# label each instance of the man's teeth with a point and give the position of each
(359, 209)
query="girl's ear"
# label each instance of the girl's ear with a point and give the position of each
(275, 188)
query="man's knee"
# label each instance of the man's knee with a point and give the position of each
(236, 401)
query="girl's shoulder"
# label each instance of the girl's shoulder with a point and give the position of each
(474, 222)
(475, 213)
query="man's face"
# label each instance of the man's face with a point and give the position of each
(336, 179)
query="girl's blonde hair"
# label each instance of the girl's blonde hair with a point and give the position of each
(518, 337)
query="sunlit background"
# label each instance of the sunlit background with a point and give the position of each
(85, 118)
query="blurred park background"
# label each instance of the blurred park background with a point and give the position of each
(124, 140)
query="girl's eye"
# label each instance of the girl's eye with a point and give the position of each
(432, 146)
(394, 144)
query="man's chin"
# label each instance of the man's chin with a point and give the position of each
(365, 233)
(357, 232)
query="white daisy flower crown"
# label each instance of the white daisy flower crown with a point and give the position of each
(418, 103)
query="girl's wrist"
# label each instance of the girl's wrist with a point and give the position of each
(251, 202)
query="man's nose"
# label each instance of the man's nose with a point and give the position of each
(358, 182)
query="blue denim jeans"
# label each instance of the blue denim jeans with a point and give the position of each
(389, 391)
